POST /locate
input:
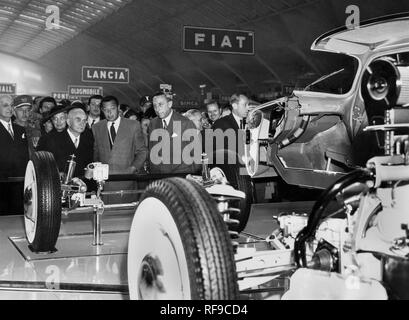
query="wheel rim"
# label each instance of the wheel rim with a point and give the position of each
(30, 202)
(157, 264)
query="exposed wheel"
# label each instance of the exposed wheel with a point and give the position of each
(179, 246)
(42, 202)
(243, 183)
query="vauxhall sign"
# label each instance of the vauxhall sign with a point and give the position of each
(218, 40)
(105, 74)
(8, 88)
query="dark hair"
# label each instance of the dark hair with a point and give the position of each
(235, 98)
(161, 93)
(131, 113)
(65, 102)
(227, 107)
(47, 99)
(110, 98)
(212, 102)
(124, 107)
(37, 98)
(97, 96)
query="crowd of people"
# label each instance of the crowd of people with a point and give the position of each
(103, 130)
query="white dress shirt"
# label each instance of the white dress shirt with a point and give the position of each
(6, 125)
(74, 138)
(117, 122)
(167, 119)
(237, 118)
(90, 120)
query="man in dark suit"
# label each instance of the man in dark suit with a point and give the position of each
(174, 141)
(213, 111)
(13, 155)
(231, 129)
(75, 140)
(94, 110)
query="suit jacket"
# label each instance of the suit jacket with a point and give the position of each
(164, 163)
(226, 123)
(62, 147)
(14, 152)
(128, 150)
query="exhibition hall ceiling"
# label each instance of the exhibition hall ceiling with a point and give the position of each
(147, 37)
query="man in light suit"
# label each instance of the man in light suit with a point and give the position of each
(119, 143)
(170, 135)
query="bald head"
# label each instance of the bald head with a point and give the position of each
(77, 121)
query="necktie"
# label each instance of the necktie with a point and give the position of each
(243, 124)
(10, 130)
(93, 122)
(76, 142)
(113, 133)
(165, 126)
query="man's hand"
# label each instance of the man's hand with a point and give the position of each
(132, 169)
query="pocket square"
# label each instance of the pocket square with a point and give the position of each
(174, 135)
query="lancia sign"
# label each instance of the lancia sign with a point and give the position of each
(105, 74)
(83, 91)
(8, 88)
(218, 40)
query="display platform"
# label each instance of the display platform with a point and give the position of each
(79, 270)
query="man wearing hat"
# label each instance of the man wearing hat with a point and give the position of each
(23, 112)
(58, 118)
(14, 155)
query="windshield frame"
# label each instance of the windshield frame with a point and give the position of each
(354, 82)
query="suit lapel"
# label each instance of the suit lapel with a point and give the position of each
(121, 130)
(6, 133)
(233, 121)
(170, 124)
(104, 134)
(68, 140)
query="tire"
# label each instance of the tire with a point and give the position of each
(42, 202)
(242, 183)
(179, 247)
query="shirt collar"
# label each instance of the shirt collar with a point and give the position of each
(237, 118)
(90, 119)
(167, 119)
(116, 122)
(72, 136)
(5, 123)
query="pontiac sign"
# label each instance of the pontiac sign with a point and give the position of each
(8, 88)
(105, 74)
(82, 91)
(218, 40)
(60, 95)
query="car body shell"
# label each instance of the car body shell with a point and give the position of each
(333, 141)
